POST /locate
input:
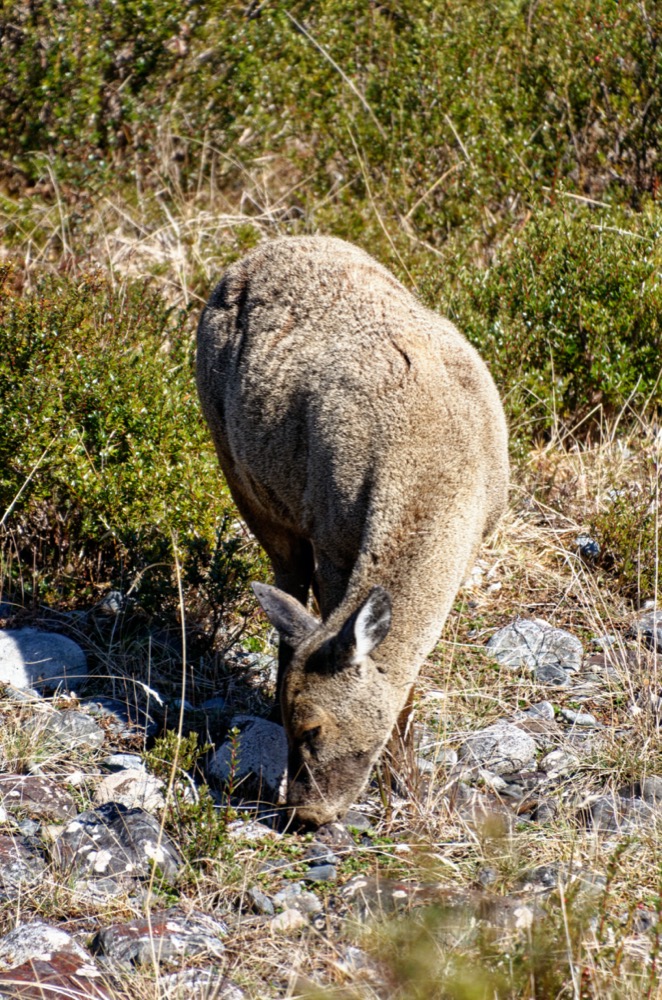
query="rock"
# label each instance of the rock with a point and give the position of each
(613, 814)
(213, 706)
(20, 865)
(68, 730)
(552, 675)
(533, 644)
(260, 760)
(370, 897)
(124, 762)
(583, 882)
(542, 710)
(61, 975)
(259, 901)
(34, 796)
(133, 789)
(251, 830)
(165, 937)
(37, 940)
(30, 658)
(336, 836)
(320, 873)
(493, 781)
(545, 811)
(558, 762)
(293, 897)
(651, 790)
(113, 841)
(589, 549)
(357, 820)
(320, 854)
(544, 733)
(579, 718)
(198, 984)
(502, 748)
(288, 920)
(649, 628)
(122, 718)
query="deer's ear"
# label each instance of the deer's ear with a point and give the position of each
(285, 613)
(367, 626)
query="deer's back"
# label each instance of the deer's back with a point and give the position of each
(331, 392)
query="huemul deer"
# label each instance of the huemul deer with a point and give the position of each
(365, 445)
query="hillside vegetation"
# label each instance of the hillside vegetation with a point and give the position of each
(503, 159)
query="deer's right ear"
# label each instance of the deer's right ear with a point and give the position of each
(285, 613)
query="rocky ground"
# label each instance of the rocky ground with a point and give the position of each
(525, 843)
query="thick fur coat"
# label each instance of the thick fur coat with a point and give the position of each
(365, 445)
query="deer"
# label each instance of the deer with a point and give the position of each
(365, 445)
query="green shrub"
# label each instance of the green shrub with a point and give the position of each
(630, 537)
(104, 456)
(568, 315)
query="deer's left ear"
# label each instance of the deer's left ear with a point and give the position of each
(367, 626)
(285, 613)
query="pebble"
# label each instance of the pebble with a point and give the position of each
(124, 762)
(579, 718)
(37, 941)
(133, 789)
(558, 762)
(168, 935)
(259, 901)
(260, 760)
(35, 796)
(649, 628)
(123, 719)
(20, 865)
(542, 710)
(68, 730)
(501, 748)
(320, 873)
(552, 674)
(113, 841)
(30, 658)
(288, 920)
(533, 643)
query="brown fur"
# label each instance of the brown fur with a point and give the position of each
(365, 445)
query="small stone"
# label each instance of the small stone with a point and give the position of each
(20, 865)
(37, 941)
(133, 789)
(320, 854)
(559, 762)
(356, 820)
(30, 658)
(68, 730)
(167, 936)
(545, 811)
(579, 718)
(649, 628)
(651, 790)
(199, 984)
(501, 748)
(320, 873)
(543, 710)
(260, 760)
(288, 920)
(34, 796)
(487, 876)
(259, 901)
(493, 781)
(122, 718)
(552, 675)
(61, 975)
(531, 644)
(115, 842)
(124, 762)
(251, 830)
(589, 549)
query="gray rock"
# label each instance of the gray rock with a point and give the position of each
(199, 984)
(259, 901)
(579, 718)
(288, 920)
(320, 854)
(651, 790)
(116, 842)
(133, 789)
(37, 940)
(124, 762)
(30, 658)
(293, 897)
(62, 975)
(122, 718)
(502, 748)
(613, 814)
(546, 878)
(552, 674)
(20, 865)
(260, 760)
(533, 643)
(213, 706)
(649, 628)
(68, 730)
(34, 796)
(559, 762)
(589, 549)
(320, 873)
(542, 710)
(166, 937)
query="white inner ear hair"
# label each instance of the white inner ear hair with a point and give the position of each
(367, 630)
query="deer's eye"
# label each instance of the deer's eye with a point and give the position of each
(309, 736)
